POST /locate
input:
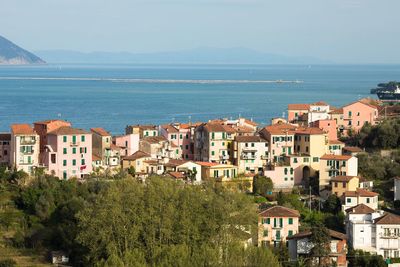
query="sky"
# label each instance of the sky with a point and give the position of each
(342, 31)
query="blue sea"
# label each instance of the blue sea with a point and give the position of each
(113, 96)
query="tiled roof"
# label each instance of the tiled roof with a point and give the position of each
(299, 107)
(336, 157)
(332, 233)
(360, 209)
(251, 122)
(335, 142)
(175, 162)
(309, 130)
(5, 136)
(388, 218)
(137, 155)
(254, 138)
(216, 127)
(207, 164)
(95, 157)
(352, 149)
(279, 211)
(51, 121)
(320, 103)
(100, 131)
(342, 178)
(364, 103)
(280, 128)
(154, 139)
(22, 129)
(65, 130)
(114, 147)
(177, 175)
(360, 193)
(169, 128)
(336, 111)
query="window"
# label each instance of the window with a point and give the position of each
(180, 136)
(64, 138)
(315, 159)
(344, 184)
(348, 200)
(286, 178)
(223, 135)
(291, 170)
(290, 233)
(64, 162)
(349, 113)
(74, 162)
(212, 135)
(64, 150)
(64, 175)
(286, 171)
(215, 173)
(74, 139)
(252, 144)
(368, 200)
(306, 159)
(212, 153)
(82, 161)
(265, 232)
(73, 150)
(212, 143)
(294, 160)
(290, 220)
(268, 220)
(83, 138)
(177, 151)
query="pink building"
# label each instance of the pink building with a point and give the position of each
(358, 113)
(296, 111)
(179, 135)
(69, 152)
(129, 143)
(328, 126)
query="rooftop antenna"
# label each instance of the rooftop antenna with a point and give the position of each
(283, 115)
(240, 115)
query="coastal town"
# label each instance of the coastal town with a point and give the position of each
(300, 155)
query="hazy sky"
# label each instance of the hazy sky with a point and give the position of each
(349, 31)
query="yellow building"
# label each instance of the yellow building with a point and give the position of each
(341, 184)
(211, 170)
(336, 165)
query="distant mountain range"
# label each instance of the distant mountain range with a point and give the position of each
(12, 54)
(203, 55)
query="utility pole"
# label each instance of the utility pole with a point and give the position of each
(309, 204)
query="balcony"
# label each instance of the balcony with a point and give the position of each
(28, 141)
(244, 156)
(224, 156)
(28, 152)
(74, 144)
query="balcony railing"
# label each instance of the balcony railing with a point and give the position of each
(74, 144)
(28, 141)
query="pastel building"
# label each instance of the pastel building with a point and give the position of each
(360, 196)
(191, 168)
(69, 152)
(250, 153)
(128, 143)
(296, 113)
(42, 128)
(213, 143)
(138, 161)
(181, 136)
(5, 149)
(275, 224)
(25, 145)
(358, 113)
(142, 130)
(103, 148)
(212, 170)
(327, 125)
(335, 165)
(159, 147)
(318, 111)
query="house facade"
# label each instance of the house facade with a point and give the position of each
(69, 153)
(250, 153)
(5, 149)
(275, 224)
(360, 196)
(358, 113)
(25, 145)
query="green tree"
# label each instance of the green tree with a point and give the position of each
(262, 185)
(132, 171)
(332, 205)
(320, 239)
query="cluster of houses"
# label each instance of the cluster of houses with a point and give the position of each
(290, 151)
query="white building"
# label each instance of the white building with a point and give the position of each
(360, 196)
(250, 153)
(373, 232)
(193, 168)
(318, 111)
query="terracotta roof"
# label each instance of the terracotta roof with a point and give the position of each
(364, 103)
(309, 130)
(352, 149)
(216, 127)
(320, 103)
(388, 218)
(169, 128)
(137, 155)
(5, 136)
(251, 122)
(254, 138)
(342, 178)
(336, 157)
(114, 147)
(95, 157)
(154, 139)
(280, 128)
(332, 233)
(177, 175)
(65, 130)
(299, 107)
(22, 129)
(151, 162)
(207, 164)
(145, 127)
(243, 129)
(175, 162)
(279, 211)
(100, 131)
(360, 193)
(360, 209)
(51, 121)
(336, 111)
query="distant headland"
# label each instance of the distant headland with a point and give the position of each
(12, 54)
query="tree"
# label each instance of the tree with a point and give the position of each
(262, 185)
(320, 238)
(332, 205)
(132, 171)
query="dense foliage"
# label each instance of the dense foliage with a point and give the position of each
(119, 221)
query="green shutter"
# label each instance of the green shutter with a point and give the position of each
(74, 150)
(74, 139)
(64, 162)
(64, 150)
(74, 162)
(290, 220)
(64, 138)
(83, 138)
